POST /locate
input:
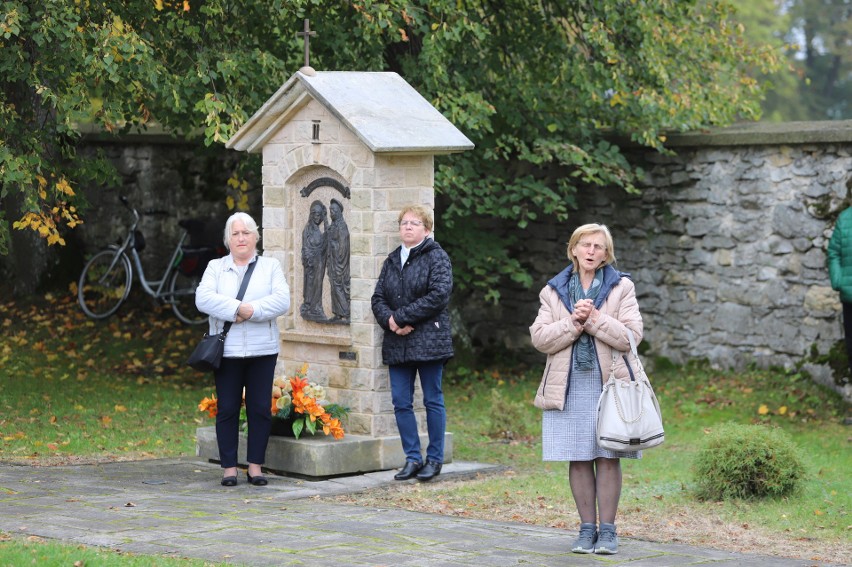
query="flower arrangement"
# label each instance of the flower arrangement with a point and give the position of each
(301, 403)
(298, 403)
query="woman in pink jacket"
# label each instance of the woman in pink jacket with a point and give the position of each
(585, 312)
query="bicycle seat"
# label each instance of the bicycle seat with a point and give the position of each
(192, 225)
(202, 233)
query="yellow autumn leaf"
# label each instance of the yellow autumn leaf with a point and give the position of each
(782, 410)
(233, 182)
(64, 187)
(818, 512)
(763, 409)
(117, 25)
(158, 5)
(120, 408)
(230, 203)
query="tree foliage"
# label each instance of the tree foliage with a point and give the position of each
(542, 87)
(814, 36)
(822, 30)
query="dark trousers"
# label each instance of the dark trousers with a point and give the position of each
(847, 331)
(255, 374)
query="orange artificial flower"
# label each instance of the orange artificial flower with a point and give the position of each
(210, 405)
(334, 427)
(298, 383)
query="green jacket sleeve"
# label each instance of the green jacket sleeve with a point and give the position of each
(835, 247)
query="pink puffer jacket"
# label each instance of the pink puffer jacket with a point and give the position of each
(554, 334)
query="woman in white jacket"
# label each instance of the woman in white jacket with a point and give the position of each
(252, 344)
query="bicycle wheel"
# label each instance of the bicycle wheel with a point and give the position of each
(103, 287)
(182, 298)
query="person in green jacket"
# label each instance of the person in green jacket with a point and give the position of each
(840, 272)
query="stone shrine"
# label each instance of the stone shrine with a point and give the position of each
(343, 152)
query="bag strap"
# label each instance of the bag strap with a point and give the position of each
(632, 340)
(633, 350)
(227, 326)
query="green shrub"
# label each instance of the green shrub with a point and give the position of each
(747, 461)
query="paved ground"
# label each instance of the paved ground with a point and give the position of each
(176, 507)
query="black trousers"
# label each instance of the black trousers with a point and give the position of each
(255, 374)
(847, 330)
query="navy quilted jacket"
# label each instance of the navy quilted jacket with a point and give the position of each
(416, 294)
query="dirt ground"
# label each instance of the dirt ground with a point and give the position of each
(699, 526)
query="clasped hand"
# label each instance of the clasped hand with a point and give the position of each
(244, 313)
(397, 329)
(582, 311)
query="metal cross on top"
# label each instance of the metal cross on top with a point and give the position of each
(307, 35)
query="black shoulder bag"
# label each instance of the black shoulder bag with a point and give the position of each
(207, 356)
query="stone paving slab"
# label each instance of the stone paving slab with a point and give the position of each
(176, 507)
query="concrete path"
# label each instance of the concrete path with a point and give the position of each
(176, 507)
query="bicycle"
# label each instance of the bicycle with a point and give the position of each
(107, 277)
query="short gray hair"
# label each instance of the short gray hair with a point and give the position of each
(247, 220)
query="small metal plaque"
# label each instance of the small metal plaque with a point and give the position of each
(347, 355)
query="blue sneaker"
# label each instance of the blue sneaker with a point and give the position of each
(607, 543)
(585, 542)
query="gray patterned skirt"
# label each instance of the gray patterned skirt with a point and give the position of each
(569, 434)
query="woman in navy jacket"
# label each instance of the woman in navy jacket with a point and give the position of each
(410, 303)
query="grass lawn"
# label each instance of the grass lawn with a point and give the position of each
(492, 419)
(76, 390)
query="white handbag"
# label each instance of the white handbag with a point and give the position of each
(629, 417)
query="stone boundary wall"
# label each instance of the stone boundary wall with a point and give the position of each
(726, 245)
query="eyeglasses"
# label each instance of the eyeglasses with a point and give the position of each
(587, 245)
(410, 223)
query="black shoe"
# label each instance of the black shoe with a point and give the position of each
(408, 471)
(229, 481)
(258, 480)
(429, 471)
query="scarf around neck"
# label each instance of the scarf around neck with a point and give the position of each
(584, 348)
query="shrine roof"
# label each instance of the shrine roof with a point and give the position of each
(380, 108)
